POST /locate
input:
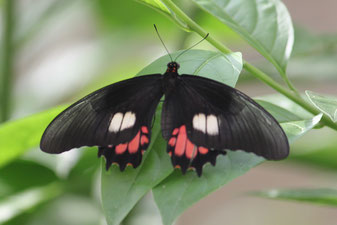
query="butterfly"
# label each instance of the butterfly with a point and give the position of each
(201, 119)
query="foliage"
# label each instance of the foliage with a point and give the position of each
(264, 25)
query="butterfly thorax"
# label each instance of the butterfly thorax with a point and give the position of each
(171, 77)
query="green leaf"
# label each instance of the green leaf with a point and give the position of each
(266, 25)
(221, 67)
(296, 129)
(10, 184)
(326, 104)
(160, 7)
(122, 190)
(325, 196)
(185, 190)
(17, 137)
(178, 192)
(281, 115)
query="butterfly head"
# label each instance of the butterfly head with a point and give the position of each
(172, 67)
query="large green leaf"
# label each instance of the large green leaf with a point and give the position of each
(221, 67)
(185, 190)
(178, 192)
(10, 184)
(16, 137)
(265, 24)
(121, 191)
(323, 196)
(326, 104)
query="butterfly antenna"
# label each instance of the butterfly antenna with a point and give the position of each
(191, 47)
(155, 27)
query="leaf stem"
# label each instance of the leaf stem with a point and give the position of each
(7, 60)
(247, 66)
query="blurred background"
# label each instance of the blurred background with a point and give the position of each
(65, 49)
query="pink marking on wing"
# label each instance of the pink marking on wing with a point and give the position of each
(191, 150)
(175, 131)
(181, 141)
(120, 149)
(144, 140)
(203, 150)
(134, 144)
(145, 130)
(172, 141)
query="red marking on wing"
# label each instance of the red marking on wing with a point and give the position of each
(120, 149)
(191, 150)
(144, 140)
(203, 150)
(145, 130)
(181, 141)
(172, 141)
(134, 144)
(187, 155)
(175, 131)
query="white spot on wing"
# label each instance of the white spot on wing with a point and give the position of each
(212, 125)
(199, 122)
(129, 120)
(115, 123)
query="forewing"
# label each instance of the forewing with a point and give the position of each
(117, 118)
(216, 117)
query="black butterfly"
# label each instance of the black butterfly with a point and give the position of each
(201, 118)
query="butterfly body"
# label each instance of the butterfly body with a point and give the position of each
(171, 78)
(201, 118)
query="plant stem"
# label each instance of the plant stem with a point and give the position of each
(253, 70)
(7, 60)
(291, 86)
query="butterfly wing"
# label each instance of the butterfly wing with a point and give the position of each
(117, 118)
(203, 117)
